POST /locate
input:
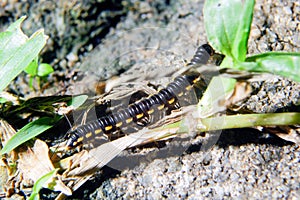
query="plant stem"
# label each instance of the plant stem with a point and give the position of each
(249, 120)
(234, 121)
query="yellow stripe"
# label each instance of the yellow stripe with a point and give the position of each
(180, 94)
(128, 120)
(161, 107)
(150, 111)
(98, 131)
(171, 101)
(74, 144)
(196, 80)
(89, 134)
(189, 87)
(119, 124)
(139, 116)
(80, 139)
(107, 128)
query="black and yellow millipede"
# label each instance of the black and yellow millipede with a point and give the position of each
(166, 99)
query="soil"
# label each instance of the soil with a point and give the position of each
(99, 39)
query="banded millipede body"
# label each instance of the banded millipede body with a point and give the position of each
(165, 100)
(202, 55)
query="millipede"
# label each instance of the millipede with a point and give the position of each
(143, 112)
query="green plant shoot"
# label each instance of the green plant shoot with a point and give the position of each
(228, 26)
(37, 71)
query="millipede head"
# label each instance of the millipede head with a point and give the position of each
(72, 139)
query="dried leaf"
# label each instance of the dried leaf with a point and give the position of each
(6, 131)
(8, 165)
(35, 162)
(287, 133)
(242, 90)
(215, 97)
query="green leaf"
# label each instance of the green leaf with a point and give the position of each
(254, 58)
(40, 183)
(279, 63)
(77, 101)
(44, 69)
(3, 100)
(28, 132)
(227, 62)
(32, 68)
(11, 39)
(227, 25)
(17, 51)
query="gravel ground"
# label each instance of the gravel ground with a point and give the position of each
(241, 172)
(245, 163)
